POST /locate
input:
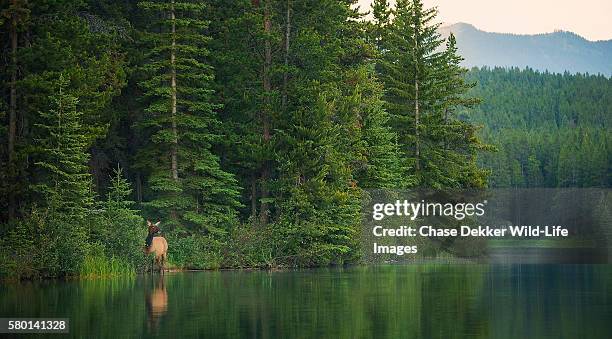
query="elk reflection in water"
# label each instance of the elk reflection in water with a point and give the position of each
(156, 303)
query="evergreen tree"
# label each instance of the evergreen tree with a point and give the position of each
(239, 51)
(381, 14)
(16, 15)
(319, 140)
(456, 142)
(53, 38)
(425, 85)
(187, 186)
(121, 231)
(64, 182)
(330, 133)
(533, 172)
(378, 164)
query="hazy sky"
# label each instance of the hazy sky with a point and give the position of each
(591, 19)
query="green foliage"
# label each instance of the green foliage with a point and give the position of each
(45, 244)
(551, 130)
(53, 239)
(54, 38)
(194, 251)
(64, 181)
(49, 243)
(209, 107)
(250, 246)
(378, 158)
(96, 266)
(180, 123)
(28, 248)
(425, 85)
(314, 243)
(315, 182)
(330, 135)
(118, 228)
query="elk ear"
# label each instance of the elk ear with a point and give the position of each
(148, 222)
(157, 223)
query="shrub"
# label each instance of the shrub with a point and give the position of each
(44, 244)
(250, 245)
(194, 251)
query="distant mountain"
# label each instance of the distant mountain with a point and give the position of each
(556, 52)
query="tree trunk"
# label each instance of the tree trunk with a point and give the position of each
(174, 147)
(12, 127)
(446, 142)
(417, 146)
(287, 37)
(138, 188)
(253, 196)
(265, 116)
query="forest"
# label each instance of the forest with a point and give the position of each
(252, 129)
(549, 130)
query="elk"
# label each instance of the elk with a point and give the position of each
(156, 245)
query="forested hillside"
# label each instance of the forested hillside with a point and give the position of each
(551, 130)
(249, 128)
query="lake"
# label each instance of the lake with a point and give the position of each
(429, 300)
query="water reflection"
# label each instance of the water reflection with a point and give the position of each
(416, 301)
(156, 303)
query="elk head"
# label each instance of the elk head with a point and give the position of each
(153, 227)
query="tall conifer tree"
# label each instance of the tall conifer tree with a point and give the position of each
(187, 186)
(64, 181)
(237, 44)
(424, 86)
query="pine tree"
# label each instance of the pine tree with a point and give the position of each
(378, 164)
(381, 15)
(122, 231)
(455, 142)
(551, 119)
(533, 172)
(68, 45)
(425, 86)
(17, 16)
(250, 52)
(64, 182)
(408, 61)
(187, 186)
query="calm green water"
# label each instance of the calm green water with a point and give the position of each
(416, 301)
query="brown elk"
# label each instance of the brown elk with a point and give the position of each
(156, 245)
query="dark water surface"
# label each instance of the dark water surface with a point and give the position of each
(394, 301)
